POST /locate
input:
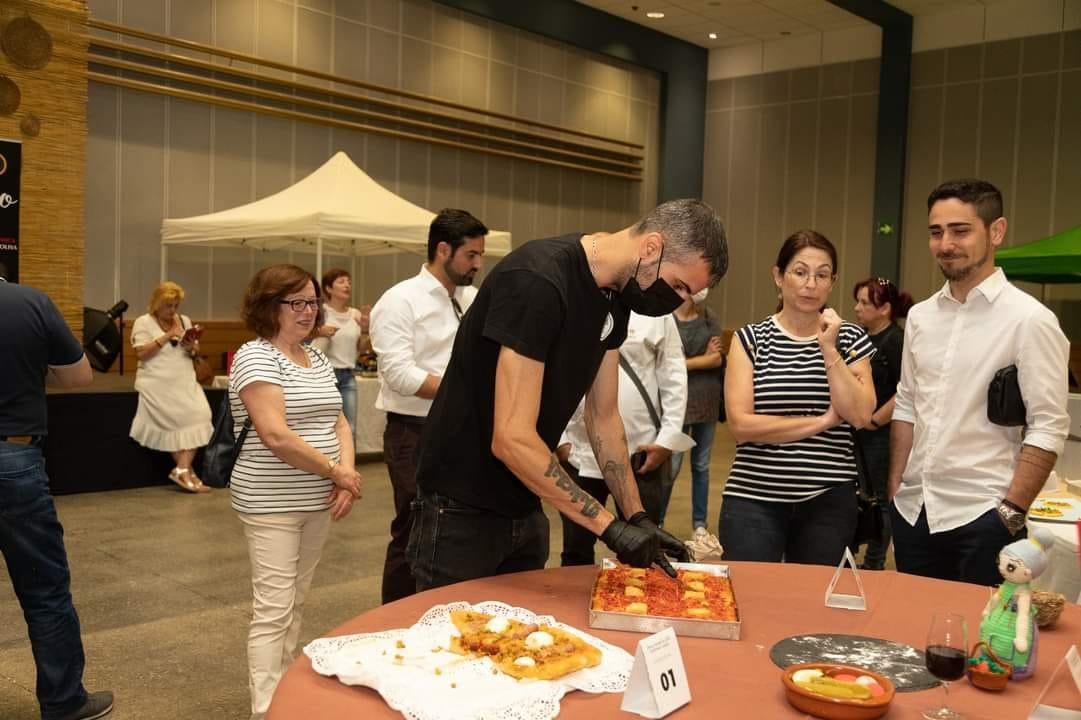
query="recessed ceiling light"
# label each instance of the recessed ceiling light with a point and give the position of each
(655, 15)
(713, 36)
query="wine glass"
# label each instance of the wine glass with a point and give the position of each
(946, 654)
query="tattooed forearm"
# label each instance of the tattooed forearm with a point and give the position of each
(590, 507)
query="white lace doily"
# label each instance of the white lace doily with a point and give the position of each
(417, 675)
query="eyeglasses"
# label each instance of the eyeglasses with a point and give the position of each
(803, 277)
(299, 304)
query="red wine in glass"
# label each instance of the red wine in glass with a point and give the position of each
(947, 646)
(945, 663)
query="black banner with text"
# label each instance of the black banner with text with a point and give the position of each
(11, 162)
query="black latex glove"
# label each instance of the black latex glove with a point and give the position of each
(631, 544)
(670, 545)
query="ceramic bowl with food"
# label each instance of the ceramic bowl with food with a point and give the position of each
(837, 692)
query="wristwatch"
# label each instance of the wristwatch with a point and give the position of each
(331, 464)
(1012, 516)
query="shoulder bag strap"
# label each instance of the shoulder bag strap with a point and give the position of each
(642, 390)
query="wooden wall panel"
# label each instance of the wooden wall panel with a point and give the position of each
(53, 163)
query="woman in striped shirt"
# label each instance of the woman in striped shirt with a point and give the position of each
(295, 472)
(798, 382)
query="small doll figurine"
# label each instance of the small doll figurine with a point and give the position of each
(1008, 623)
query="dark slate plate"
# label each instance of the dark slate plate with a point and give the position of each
(900, 663)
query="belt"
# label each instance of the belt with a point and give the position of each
(35, 440)
(407, 419)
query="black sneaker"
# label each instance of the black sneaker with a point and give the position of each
(97, 705)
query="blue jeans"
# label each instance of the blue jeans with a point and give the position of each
(702, 433)
(813, 532)
(347, 386)
(32, 541)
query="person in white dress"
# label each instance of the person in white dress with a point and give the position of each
(173, 414)
(342, 336)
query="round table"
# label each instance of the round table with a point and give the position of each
(727, 678)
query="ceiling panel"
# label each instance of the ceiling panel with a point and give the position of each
(735, 22)
(743, 21)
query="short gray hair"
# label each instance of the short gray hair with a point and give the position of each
(691, 229)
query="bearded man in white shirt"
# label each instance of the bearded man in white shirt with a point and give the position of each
(653, 351)
(960, 484)
(412, 330)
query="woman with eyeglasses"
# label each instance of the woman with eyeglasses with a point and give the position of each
(294, 473)
(879, 304)
(797, 383)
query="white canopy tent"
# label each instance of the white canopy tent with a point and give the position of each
(337, 209)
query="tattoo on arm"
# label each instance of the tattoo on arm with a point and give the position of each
(590, 507)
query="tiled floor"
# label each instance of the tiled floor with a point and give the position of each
(161, 583)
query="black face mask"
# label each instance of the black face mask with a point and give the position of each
(655, 301)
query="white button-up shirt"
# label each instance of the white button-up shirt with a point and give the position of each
(654, 350)
(412, 329)
(961, 464)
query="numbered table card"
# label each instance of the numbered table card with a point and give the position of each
(658, 683)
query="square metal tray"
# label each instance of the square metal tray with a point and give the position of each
(718, 629)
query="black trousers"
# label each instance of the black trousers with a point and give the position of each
(401, 442)
(968, 553)
(451, 542)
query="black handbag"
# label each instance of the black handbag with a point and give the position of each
(869, 521)
(222, 450)
(1005, 406)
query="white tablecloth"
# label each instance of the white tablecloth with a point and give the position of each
(370, 422)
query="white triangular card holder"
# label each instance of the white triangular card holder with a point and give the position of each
(1061, 689)
(658, 683)
(840, 600)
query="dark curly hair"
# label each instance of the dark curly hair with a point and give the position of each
(881, 291)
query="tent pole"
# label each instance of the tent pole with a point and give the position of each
(319, 259)
(164, 253)
(353, 270)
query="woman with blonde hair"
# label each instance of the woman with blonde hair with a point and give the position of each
(173, 414)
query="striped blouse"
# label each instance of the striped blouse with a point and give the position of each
(790, 380)
(261, 482)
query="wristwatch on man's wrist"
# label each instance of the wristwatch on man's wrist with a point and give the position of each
(331, 464)
(1012, 516)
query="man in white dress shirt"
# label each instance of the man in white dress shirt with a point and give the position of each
(960, 484)
(654, 352)
(412, 330)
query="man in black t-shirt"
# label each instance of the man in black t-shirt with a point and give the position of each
(38, 347)
(543, 331)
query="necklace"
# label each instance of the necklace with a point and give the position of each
(607, 292)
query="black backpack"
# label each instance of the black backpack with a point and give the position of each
(222, 450)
